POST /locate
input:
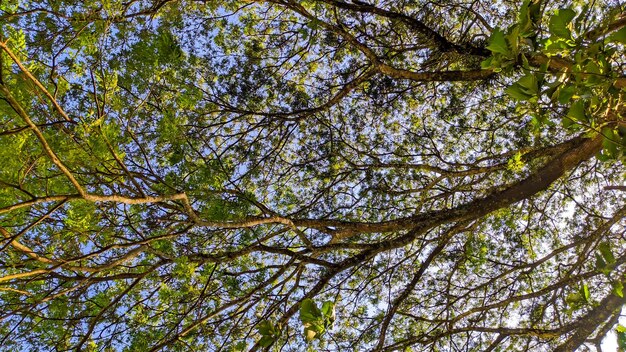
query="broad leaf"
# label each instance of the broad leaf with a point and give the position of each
(517, 92)
(560, 23)
(619, 36)
(607, 253)
(577, 112)
(497, 42)
(309, 312)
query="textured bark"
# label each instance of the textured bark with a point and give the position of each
(591, 321)
(441, 42)
(577, 150)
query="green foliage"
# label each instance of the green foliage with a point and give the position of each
(525, 89)
(504, 48)
(579, 299)
(269, 333)
(529, 17)
(177, 175)
(516, 164)
(584, 90)
(498, 43)
(561, 23)
(621, 337)
(316, 322)
(619, 36)
(9, 6)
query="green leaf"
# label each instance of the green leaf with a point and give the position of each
(497, 42)
(574, 298)
(594, 75)
(525, 63)
(618, 289)
(8, 6)
(607, 253)
(566, 94)
(619, 36)
(17, 40)
(580, 19)
(265, 328)
(312, 330)
(313, 24)
(600, 264)
(266, 341)
(316, 321)
(529, 16)
(525, 88)
(517, 92)
(512, 38)
(586, 294)
(524, 16)
(610, 144)
(241, 346)
(309, 312)
(577, 111)
(318, 327)
(530, 84)
(487, 63)
(560, 23)
(621, 337)
(328, 309)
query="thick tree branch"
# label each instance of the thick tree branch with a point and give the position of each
(591, 321)
(442, 43)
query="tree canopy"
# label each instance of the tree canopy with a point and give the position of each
(324, 175)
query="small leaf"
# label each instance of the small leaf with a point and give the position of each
(318, 327)
(566, 122)
(594, 75)
(618, 289)
(586, 294)
(524, 15)
(487, 63)
(580, 19)
(530, 14)
(525, 63)
(610, 143)
(241, 346)
(316, 321)
(621, 337)
(573, 298)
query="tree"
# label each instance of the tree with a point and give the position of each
(404, 175)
